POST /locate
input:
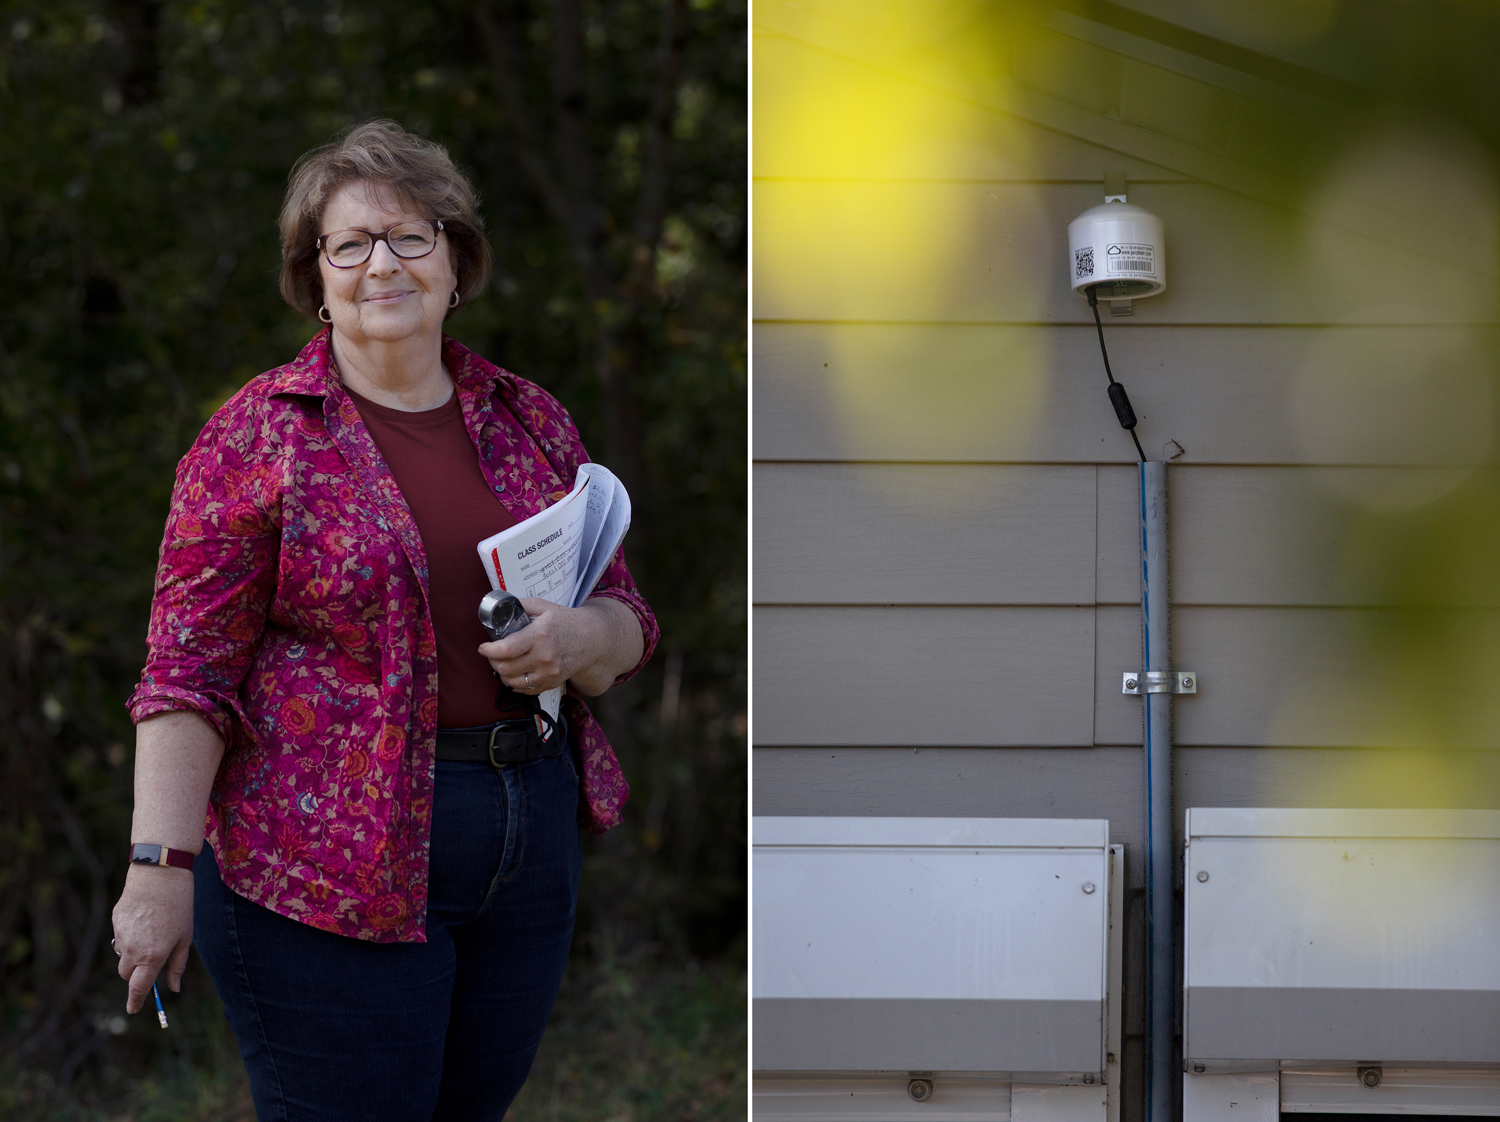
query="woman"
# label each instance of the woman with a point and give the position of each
(386, 894)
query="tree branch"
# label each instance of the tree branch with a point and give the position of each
(571, 144)
(93, 930)
(656, 154)
(568, 196)
(506, 66)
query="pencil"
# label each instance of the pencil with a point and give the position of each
(161, 1014)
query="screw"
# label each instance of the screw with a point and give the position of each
(1130, 683)
(1203, 878)
(1088, 888)
(1187, 683)
(920, 1090)
(1088, 1078)
(1199, 1069)
(1370, 1076)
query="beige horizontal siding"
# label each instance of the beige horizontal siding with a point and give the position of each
(948, 137)
(956, 644)
(1123, 93)
(1246, 535)
(1230, 394)
(962, 252)
(1307, 677)
(952, 676)
(953, 782)
(1108, 782)
(1027, 676)
(924, 534)
(996, 534)
(1122, 104)
(943, 495)
(1276, 536)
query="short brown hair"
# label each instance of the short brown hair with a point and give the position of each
(419, 173)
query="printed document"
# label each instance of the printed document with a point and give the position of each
(559, 554)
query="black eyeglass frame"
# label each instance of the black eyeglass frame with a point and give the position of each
(382, 236)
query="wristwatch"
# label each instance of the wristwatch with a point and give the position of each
(143, 853)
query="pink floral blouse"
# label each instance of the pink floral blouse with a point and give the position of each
(291, 612)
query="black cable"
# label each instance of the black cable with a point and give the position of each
(1138, 450)
(1099, 326)
(1117, 395)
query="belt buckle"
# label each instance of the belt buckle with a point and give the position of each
(490, 747)
(528, 724)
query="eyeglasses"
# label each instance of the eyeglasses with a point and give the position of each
(347, 248)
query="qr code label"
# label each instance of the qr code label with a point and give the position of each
(1083, 262)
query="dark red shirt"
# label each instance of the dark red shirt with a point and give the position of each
(436, 466)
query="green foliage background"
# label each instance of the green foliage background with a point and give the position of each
(143, 150)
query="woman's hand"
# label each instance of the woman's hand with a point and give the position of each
(176, 756)
(153, 923)
(589, 646)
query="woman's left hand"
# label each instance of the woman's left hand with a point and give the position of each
(590, 646)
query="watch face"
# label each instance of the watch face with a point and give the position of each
(141, 854)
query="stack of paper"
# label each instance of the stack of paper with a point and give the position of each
(560, 554)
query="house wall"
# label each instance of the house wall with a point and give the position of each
(946, 576)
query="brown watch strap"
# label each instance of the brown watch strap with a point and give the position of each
(143, 853)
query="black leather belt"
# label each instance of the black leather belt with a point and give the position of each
(504, 742)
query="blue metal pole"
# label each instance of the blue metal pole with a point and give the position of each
(1156, 641)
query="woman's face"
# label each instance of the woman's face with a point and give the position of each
(387, 299)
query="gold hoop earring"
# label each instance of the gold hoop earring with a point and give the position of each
(453, 299)
(323, 313)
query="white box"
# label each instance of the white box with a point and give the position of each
(935, 945)
(1341, 937)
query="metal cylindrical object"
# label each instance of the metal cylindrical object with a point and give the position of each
(1156, 642)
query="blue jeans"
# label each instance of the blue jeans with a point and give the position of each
(338, 1028)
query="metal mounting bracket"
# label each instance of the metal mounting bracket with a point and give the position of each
(1160, 681)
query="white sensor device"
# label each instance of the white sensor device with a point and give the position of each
(1119, 250)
